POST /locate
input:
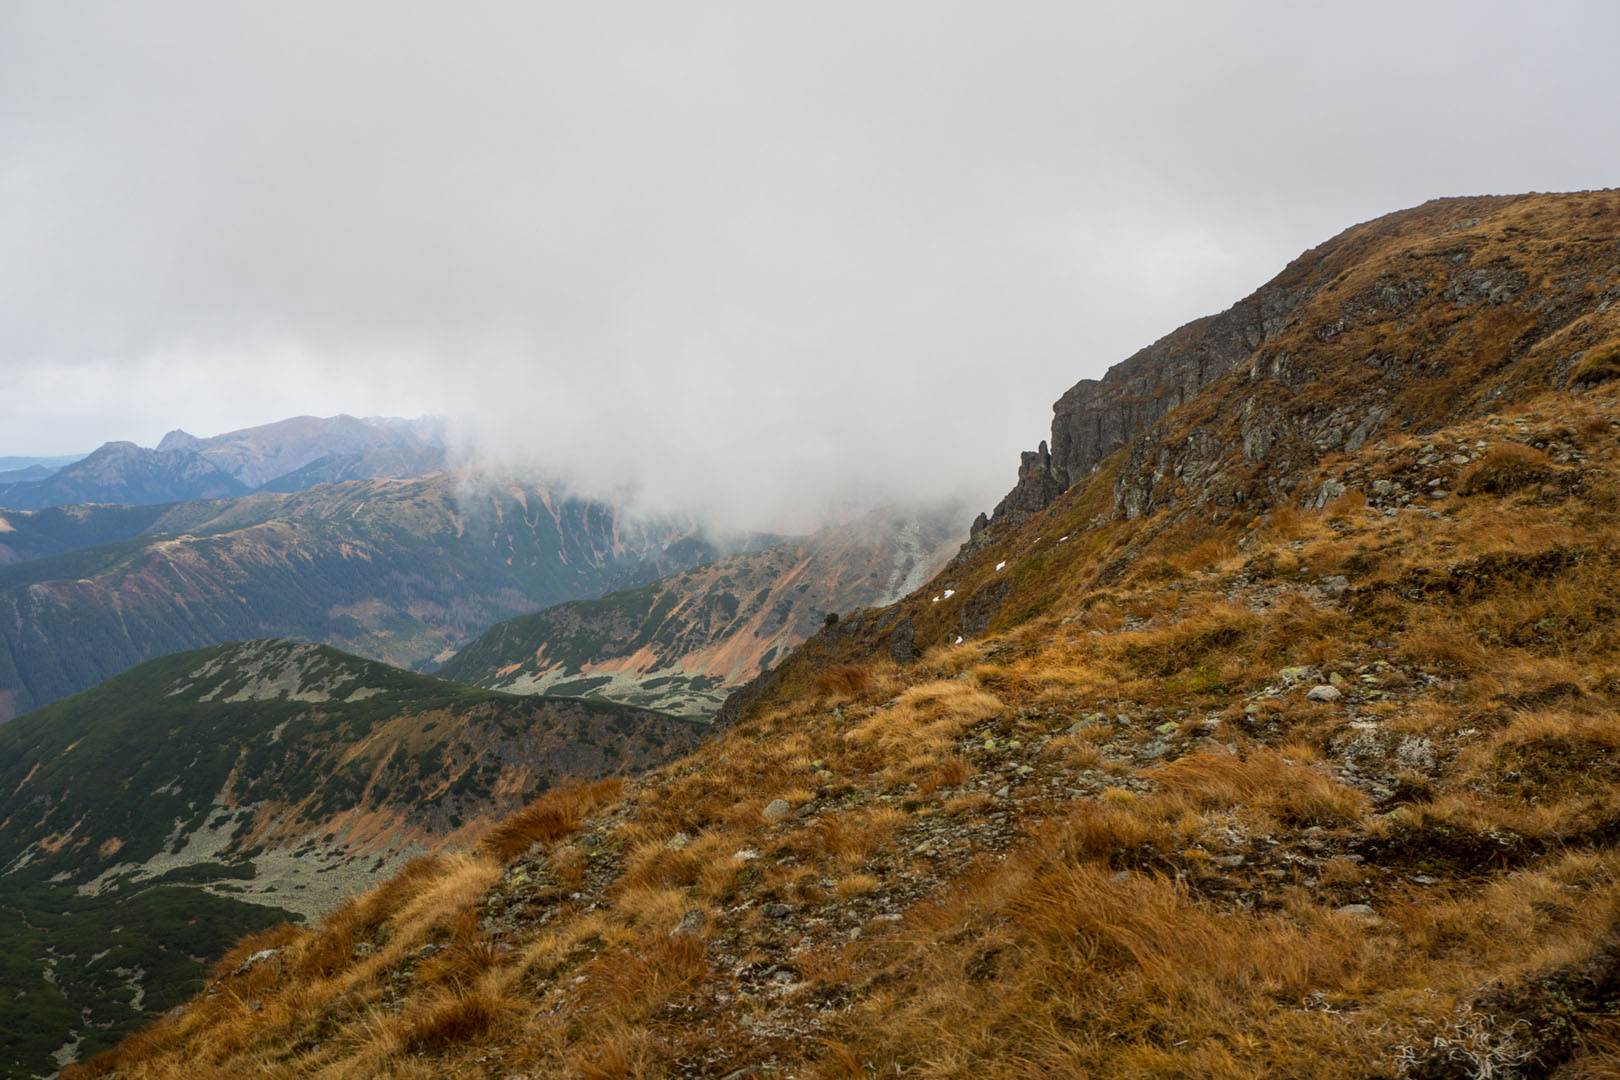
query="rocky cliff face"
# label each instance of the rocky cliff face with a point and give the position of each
(1096, 417)
(1441, 308)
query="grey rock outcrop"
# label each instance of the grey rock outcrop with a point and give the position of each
(1097, 417)
(1443, 310)
(1038, 484)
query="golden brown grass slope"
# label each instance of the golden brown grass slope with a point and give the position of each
(1327, 792)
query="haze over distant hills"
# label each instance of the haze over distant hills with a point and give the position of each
(684, 643)
(397, 569)
(183, 466)
(362, 535)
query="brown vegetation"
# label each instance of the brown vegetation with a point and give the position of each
(1295, 793)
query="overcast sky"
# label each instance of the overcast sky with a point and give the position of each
(736, 254)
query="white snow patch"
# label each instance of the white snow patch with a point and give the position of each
(999, 565)
(949, 593)
(959, 639)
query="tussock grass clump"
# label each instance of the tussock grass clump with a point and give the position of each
(1188, 640)
(1553, 754)
(550, 817)
(842, 679)
(1278, 781)
(454, 1019)
(1597, 366)
(1508, 467)
(928, 717)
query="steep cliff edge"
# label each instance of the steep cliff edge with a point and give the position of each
(1436, 310)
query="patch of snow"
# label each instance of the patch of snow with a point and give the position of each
(949, 593)
(958, 639)
(999, 565)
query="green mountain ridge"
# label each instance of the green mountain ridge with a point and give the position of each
(150, 821)
(398, 569)
(361, 465)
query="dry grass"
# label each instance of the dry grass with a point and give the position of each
(1154, 893)
(842, 680)
(452, 1019)
(1508, 467)
(1281, 782)
(552, 816)
(926, 719)
(1186, 641)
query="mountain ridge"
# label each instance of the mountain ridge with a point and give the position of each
(125, 473)
(245, 784)
(1463, 248)
(184, 467)
(400, 569)
(684, 642)
(1230, 757)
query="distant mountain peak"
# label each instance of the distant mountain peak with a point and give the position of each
(178, 439)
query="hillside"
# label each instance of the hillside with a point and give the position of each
(34, 534)
(206, 794)
(362, 465)
(684, 643)
(1278, 740)
(398, 570)
(258, 455)
(13, 464)
(123, 473)
(284, 456)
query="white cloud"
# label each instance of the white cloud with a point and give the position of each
(739, 254)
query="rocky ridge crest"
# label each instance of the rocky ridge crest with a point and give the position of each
(1436, 310)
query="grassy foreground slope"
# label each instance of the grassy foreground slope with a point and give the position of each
(1226, 779)
(149, 822)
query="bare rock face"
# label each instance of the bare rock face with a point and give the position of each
(1448, 309)
(1038, 484)
(1096, 417)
